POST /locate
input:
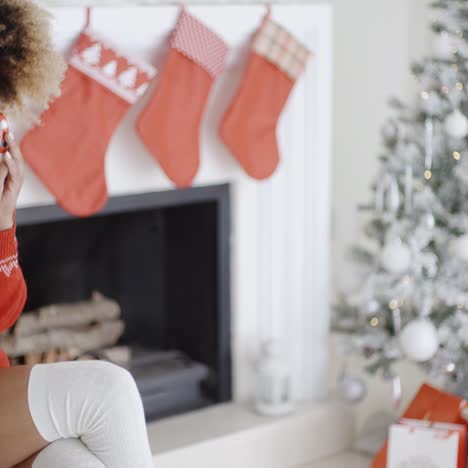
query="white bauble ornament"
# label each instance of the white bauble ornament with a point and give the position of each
(459, 247)
(419, 341)
(395, 257)
(456, 124)
(351, 387)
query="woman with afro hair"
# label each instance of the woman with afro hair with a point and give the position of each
(69, 414)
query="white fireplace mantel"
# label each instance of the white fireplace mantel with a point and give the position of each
(280, 233)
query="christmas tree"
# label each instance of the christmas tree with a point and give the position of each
(412, 302)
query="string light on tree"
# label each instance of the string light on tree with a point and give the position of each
(427, 174)
(456, 155)
(450, 367)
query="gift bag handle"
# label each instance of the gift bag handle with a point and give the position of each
(88, 17)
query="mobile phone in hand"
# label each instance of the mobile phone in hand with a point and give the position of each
(4, 129)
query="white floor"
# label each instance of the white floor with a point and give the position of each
(346, 460)
(232, 435)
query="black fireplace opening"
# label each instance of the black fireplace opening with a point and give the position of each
(164, 258)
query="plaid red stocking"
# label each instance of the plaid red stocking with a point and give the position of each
(248, 129)
(170, 124)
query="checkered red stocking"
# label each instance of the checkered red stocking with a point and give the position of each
(170, 124)
(248, 129)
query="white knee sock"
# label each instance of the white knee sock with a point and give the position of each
(66, 453)
(95, 401)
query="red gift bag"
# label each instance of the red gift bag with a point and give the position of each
(429, 404)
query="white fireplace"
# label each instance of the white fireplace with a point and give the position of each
(280, 238)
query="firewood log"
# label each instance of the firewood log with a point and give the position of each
(82, 339)
(50, 356)
(33, 358)
(97, 309)
(63, 355)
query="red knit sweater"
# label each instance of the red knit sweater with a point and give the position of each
(12, 285)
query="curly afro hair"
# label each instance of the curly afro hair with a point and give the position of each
(30, 70)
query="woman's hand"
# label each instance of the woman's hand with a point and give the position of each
(11, 181)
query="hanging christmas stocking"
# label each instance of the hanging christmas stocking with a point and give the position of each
(67, 150)
(248, 128)
(170, 125)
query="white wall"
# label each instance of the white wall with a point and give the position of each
(375, 40)
(278, 275)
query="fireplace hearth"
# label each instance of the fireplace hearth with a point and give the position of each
(164, 258)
